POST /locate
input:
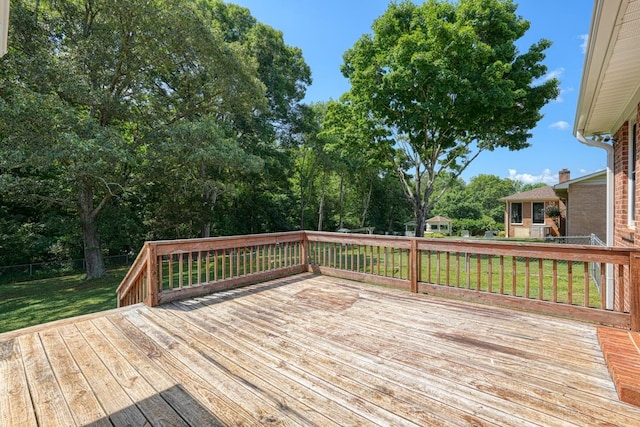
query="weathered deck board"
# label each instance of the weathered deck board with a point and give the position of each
(309, 350)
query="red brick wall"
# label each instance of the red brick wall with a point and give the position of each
(625, 235)
(587, 210)
(527, 220)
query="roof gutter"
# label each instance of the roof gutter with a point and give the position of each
(598, 142)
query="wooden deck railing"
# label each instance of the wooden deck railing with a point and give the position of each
(549, 278)
(172, 269)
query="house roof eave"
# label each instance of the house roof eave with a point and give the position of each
(610, 88)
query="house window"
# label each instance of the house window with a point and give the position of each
(516, 213)
(632, 175)
(538, 212)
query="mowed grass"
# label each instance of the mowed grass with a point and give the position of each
(39, 301)
(562, 281)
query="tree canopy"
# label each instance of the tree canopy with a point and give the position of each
(128, 121)
(446, 81)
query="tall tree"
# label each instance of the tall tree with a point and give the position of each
(447, 82)
(96, 85)
(486, 190)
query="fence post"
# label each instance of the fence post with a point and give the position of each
(413, 256)
(634, 291)
(152, 276)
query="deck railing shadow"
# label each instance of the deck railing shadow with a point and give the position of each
(555, 279)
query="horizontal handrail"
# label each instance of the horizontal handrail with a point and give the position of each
(558, 279)
(181, 268)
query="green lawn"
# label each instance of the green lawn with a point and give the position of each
(570, 279)
(31, 303)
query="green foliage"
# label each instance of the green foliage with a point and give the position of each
(115, 130)
(476, 226)
(155, 122)
(447, 83)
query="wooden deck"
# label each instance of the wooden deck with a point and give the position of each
(309, 350)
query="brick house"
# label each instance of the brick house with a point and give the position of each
(526, 216)
(585, 199)
(607, 117)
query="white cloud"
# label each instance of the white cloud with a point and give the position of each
(546, 177)
(555, 74)
(560, 125)
(585, 42)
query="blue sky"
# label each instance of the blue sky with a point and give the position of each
(325, 29)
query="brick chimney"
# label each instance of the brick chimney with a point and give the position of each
(564, 175)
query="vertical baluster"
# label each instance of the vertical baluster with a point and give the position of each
(467, 264)
(603, 286)
(540, 279)
(527, 277)
(207, 273)
(371, 260)
(514, 276)
(180, 270)
(478, 271)
(586, 284)
(237, 257)
(501, 274)
(199, 266)
(160, 273)
(570, 282)
(457, 269)
(489, 273)
(555, 280)
(170, 273)
(215, 264)
(619, 298)
(393, 262)
(419, 269)
(448, 266)
(223, 262)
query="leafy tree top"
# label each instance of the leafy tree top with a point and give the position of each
(447, 75)
(445, 82)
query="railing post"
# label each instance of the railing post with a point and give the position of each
(305, 244)
(634, 291)
(152, 276)
(413, 256)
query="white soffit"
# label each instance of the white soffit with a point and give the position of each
(4, 25)
(610, 86)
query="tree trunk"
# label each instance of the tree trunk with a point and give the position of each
(322, 196)
(206, 229)
(94, 260)
(210, 197)
(366, 203)
(341, 225)
(420, 218)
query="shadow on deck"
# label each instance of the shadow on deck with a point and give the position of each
(309, 350)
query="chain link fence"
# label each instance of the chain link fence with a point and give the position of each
(41, 270)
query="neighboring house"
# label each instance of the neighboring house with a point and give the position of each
(438, 224)
(526, 214)
(585, 199)
(607, 117)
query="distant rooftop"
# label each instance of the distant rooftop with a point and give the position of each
(537, 194)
